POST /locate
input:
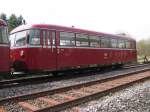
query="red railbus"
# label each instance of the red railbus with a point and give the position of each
(43, 47)
(4, 48)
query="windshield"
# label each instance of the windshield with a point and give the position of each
(3, 35)
(18, 39)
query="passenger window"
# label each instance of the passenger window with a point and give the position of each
(114, 43)
(34, 37)
(94, 41)
(67, 39)
(133, 45)
(128, 44)
(121, 43)
(82, 40)
(105, 43)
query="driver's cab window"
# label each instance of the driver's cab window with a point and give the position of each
(20, 38)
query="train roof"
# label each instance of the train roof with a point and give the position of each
(2, 23)
(68, 29)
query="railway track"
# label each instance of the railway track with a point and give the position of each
(48, 78)
(134, 65)
(62, 98)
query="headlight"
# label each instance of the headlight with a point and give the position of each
(22, 53)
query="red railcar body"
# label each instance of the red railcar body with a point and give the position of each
(4, 48)
(51, 48)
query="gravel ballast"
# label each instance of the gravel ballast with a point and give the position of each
(133, 99)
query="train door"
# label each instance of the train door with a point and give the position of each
(48, 50)
(52, 50)
(42, 51)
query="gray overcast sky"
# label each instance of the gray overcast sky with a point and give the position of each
(111, 16)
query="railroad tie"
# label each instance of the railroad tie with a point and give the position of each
(66, 96)
(80, 92)
(91, 89)
(75, 109)
(28, 106)
(49, 101)
(2, 109)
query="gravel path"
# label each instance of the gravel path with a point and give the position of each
(8, 92)
(133, 99)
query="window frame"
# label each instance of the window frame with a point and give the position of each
(14, 40)
(49, 38)
(97, 40)
(108, 42)
(116, 41)
(69, 40)
(40, 34)
(123, 40)
(4, 28)
(128, 42)
(81, 45)
(133, 44)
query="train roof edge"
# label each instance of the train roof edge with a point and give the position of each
(64, 28)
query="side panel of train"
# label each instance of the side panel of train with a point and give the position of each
(82, 57)
(49, 60)
(57, 53)
(4, 59)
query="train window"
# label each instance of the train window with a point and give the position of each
(53, 38)
(133, 45)
(34, 37)
(12, 40)
(20, 39)
(113, 43)
(105, 43)
(94, 41)
(44, 38)
(3, 35)
(82, 40)
(128, 44)
(67, 39)
(121, 43)
(48, 38)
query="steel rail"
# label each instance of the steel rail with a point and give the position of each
(48, 78)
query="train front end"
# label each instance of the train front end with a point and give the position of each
(18, 49)
(24, 44)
